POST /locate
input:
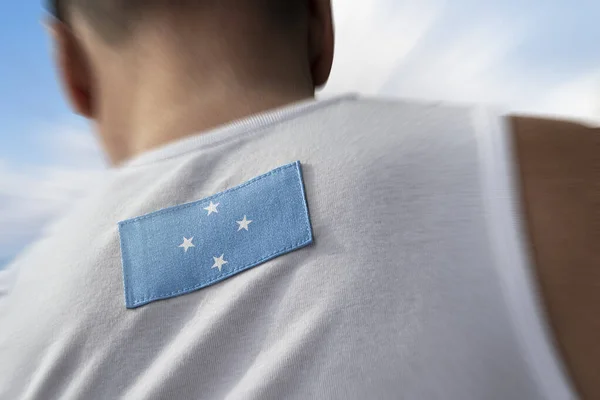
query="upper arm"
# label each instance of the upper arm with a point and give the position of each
(559, 164)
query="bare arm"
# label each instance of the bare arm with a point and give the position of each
(560, 175)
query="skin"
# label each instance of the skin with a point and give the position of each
(181, 73)
(157, 87)
(560, 177)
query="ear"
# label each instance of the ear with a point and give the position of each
(321, 40)
(73, 68)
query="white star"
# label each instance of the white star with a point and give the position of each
(187, 243)
(219, 262)
(244, 224)
(212, 208)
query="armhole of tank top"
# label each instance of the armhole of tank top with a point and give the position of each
(506, 228)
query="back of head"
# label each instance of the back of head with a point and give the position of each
(116, 21)
(128, 62)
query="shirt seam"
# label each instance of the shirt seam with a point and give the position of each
(263, 124)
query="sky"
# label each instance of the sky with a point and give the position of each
(536, 56)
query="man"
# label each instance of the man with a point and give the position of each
(251, 243)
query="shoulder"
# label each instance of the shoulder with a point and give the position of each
(559, 165)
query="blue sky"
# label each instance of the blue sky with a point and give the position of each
(29, 92)
(42, 145)
(539, 56)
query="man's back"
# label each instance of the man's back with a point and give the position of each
(406, 291)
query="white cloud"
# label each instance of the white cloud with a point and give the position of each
(577, 97)
(429, 50)
(69, 144)
(466, 67)
(33, 195)
(372, 39)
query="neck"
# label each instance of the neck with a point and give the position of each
(158, 120)
(165, 98)
(157, 125)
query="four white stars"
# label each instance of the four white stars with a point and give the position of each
(219, 261)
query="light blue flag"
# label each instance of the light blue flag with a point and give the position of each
(185, 248)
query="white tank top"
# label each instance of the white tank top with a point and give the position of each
(416, 284)
(513, 259)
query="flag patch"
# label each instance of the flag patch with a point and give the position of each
(185, 248)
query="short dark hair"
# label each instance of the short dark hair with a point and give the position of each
(55, 8)
(113, 19)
